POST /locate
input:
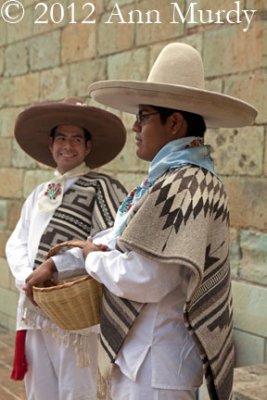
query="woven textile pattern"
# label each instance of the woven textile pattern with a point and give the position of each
(88, 207)
(199, 191)
(184, 219)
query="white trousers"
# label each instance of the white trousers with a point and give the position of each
(52, 371)
(122, 388)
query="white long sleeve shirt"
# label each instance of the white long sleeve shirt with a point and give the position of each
(22, 246)
(159, 328)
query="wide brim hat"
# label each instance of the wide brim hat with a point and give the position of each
(33, 127)
(176, 81)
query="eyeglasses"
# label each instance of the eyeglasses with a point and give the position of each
(140, 117)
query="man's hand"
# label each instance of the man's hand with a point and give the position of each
(90, 246)
(43, 273)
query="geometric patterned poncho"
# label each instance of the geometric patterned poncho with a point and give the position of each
(184, 219)
(88, 206)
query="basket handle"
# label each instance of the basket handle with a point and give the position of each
(68, 244)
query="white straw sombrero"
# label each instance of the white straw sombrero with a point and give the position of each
(176, 81)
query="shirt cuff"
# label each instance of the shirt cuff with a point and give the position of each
(70, 263)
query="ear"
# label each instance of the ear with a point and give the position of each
(178, 125)
(88, 147)
(50, 143)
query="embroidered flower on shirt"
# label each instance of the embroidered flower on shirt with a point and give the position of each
(53, 190)
(134, 195)
(197, 142)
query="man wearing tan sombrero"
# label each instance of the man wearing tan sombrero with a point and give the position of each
(167, 308)
(74, 138)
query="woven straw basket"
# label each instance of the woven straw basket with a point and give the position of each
(73, 304)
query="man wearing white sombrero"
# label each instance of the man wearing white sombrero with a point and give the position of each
(74, 138)
(167, 308)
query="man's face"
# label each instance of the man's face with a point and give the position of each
(68, 147)
(152, 134)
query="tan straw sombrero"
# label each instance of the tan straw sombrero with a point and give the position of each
(33, 127)
(176, 81)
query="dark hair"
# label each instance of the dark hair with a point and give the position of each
(195, 123)
(87, 134)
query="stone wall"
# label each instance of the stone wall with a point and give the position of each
(52, 60)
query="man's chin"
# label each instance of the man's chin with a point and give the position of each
(67, 165)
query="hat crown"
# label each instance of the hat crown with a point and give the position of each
(73, 101)
(178, 64)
